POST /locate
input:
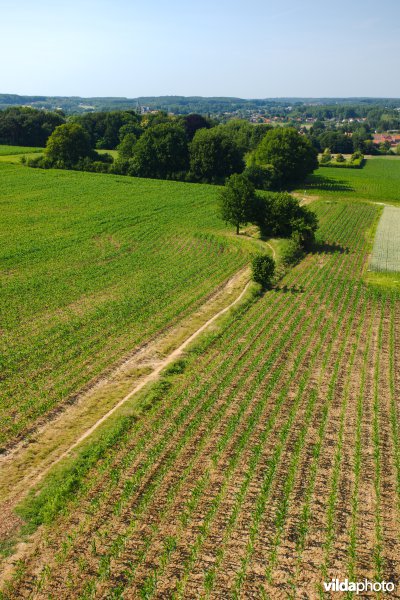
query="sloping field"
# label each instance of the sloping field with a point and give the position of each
(92, 266)
(11, 150)
(271, 465)
(378, 181)
(386, 250)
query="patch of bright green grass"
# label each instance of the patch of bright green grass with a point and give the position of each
(114, 153)
(91, 266)
(8, 150)
(383, 280)
(378, 181)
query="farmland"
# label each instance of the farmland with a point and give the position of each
(92, 266)
(378, 181)
(12, 150)
(270, 465)
(266, 460)
(386, 250)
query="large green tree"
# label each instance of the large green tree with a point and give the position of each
(107, 129)
(291, 154)
(127, 146)
(67, 145)
(283, 216)
(237, 200)
(214, 155)
(337, 142)
(161, 152)
(193, 123)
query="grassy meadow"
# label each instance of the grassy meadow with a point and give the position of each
(264, 462)
(11, 150)
(13, 154)
(267, 466)
(377, 181)
(91, 266)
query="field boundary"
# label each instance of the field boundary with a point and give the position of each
(27, 463)
(150, 378)
(385, 255)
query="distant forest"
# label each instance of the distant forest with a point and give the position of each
(321, 108)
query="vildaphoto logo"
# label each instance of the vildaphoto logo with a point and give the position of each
(359, 587)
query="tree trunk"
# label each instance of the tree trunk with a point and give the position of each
(237, 229)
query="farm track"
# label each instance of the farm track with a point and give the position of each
(271, 465)
(150, 356)
(76, 301)
(165, 436)
(20, 481)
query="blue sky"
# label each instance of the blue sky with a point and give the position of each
(253, 49)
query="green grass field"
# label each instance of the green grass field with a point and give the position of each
(378, 181)
(91, 266)
(265, 461)
(11, 150)
(114, 153)
(266, 467)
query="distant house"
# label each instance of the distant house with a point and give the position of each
(381, 138)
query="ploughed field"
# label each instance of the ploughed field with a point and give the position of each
(91, 267)
(272, 463)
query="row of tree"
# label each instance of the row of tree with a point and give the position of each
(190, 150)
(278, 214)
(23, 126)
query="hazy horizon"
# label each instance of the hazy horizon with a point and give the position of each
(278, 98)
(123, 49)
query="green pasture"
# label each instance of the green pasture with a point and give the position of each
(113, 153)
(378, 181)
(11, 150)
(92, 265)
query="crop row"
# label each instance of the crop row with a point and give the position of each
(162, 488)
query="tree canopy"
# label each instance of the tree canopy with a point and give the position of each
(214, 155)
(67, 145)
(23, 126)
(263, 269)
(192, 123)
(283, 216)
(291, 154)
(161, 152)
(237, 201)
(107, 129)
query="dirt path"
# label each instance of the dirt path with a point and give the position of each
(273, 250)
(145, 381)
(28, 463)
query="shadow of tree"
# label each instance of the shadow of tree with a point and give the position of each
(326, 248)
(293, 289)
(328, 184)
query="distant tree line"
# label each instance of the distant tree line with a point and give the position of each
(185, 148)
(380, 115)
(375, 110)
(23, 126)
(346, 139)
(106, 130)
